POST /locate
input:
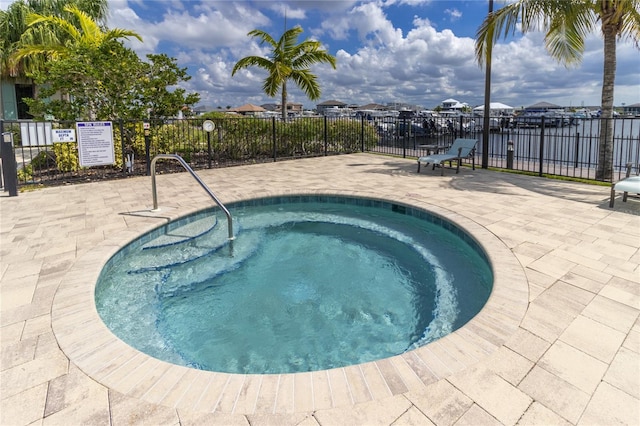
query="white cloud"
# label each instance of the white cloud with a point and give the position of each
(454, 14)
(209, 28)
(422, 65)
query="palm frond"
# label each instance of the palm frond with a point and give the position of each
(307, 82)
(118, 33)
(263, 36)
(566, 23)
(630, 25)
(49, 51)
(253, 61)
(16, 34)
(55, 22)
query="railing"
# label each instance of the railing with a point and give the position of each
(196, 177)
(563, 148)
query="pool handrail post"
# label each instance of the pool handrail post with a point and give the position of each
(186, 166)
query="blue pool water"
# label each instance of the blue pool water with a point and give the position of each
(309, 283)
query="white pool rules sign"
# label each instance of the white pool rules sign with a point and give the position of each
(95, 143)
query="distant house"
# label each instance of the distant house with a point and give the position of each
(249, 109)
(200, 109)
(374, 107)
(453, 105)
(399, 106)
(332, 105)
(633, 109)
(543, 107)
(294, 108)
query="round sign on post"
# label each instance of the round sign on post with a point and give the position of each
(208, 126)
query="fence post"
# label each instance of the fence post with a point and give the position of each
(541, 155)
(209, 150)
(147, 145)
(575, 164)
(122, 145)
(362, 133)
(273, 137)
(326, 136)
(9, 167)
(404, 138)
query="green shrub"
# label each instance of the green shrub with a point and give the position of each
(66, 156)
(43, 160)
(133, 135)
(240, 138)
(163, 138)
(25, 174)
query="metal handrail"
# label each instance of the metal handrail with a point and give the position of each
(196, 177)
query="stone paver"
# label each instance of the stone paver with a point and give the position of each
(564, 349)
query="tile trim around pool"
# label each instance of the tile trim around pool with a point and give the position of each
(90, 345)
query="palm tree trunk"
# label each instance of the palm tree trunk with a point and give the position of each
(284, 101)
(604, 171)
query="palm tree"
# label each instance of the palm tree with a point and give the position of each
(83, 31)
(567, 24)
(14, 29)
(289, 61)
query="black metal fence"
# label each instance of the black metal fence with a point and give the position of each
(566, 147)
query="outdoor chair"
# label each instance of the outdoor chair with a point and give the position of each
(461, 148)
(626, 185)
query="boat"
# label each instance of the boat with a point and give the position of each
(536, 119)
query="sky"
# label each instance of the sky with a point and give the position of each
(418, 52)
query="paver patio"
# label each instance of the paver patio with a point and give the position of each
(572, 355)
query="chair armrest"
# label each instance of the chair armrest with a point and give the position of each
(629, 167)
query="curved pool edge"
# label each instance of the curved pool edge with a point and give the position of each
(90, 345)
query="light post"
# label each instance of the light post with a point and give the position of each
(208, 126)
(487, 101)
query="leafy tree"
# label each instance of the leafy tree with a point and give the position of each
(567, 24)
(288, 61)
(100, 77)
(98, 84)
(161, 72)
(111, 82)
(14, 31)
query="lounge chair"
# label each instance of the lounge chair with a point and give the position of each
(461, 148)
(626, 185)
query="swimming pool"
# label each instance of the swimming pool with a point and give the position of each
(402, 269)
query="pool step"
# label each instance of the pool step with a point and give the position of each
(178, 246)
(165, 253)
(202, 270)
(209, 254)
(185, 233)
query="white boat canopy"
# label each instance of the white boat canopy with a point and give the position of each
(496, 106)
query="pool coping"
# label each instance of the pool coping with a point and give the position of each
(93, 348)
